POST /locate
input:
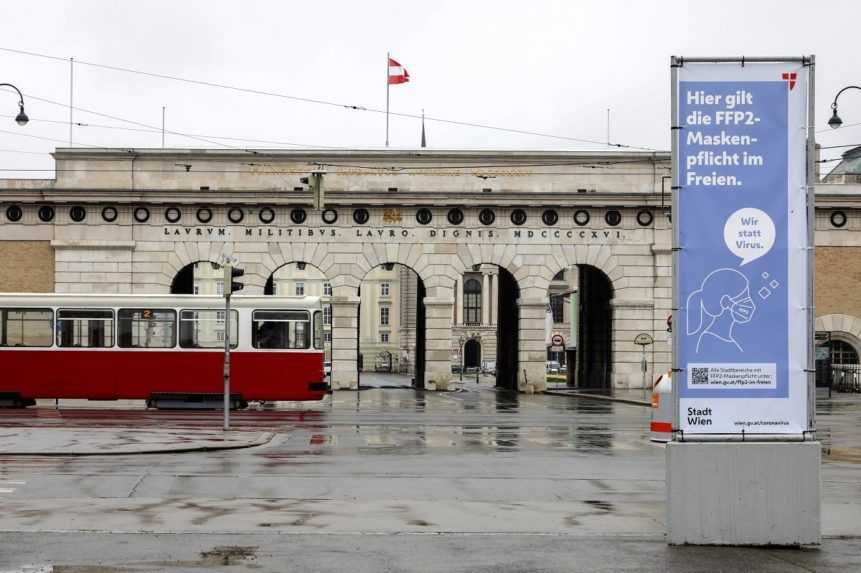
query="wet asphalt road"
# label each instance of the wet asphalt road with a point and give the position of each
(389, 479)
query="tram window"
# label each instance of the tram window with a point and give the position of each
(281, 329)
(318, 330)
(205, 328)
(146, 328)
(26, 327)
(85, 328)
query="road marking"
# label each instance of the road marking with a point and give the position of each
(5, 490)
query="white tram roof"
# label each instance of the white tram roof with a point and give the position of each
(155, 300)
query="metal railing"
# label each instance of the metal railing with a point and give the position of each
(846, 377)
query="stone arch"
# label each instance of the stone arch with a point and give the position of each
(846, 327)
(189, 253)
(271, 276)
(418, 358)
(601, 257)
(534, 272)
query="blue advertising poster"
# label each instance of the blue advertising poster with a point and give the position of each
(742, 248)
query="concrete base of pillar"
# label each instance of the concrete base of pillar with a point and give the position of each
(532, 377)
(345, 385)
(743, 493)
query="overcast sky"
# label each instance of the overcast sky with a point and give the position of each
(543, 66)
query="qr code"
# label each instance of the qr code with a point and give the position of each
(699, 375)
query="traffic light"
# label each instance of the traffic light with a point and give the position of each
(230, 273)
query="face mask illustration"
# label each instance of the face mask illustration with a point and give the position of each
(721, 303)
(741, 307)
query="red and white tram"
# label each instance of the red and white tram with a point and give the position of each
(159, 348)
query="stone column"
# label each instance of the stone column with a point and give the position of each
(630, 318)
(458, 301)
(494, 298)
(345, 322)
(533, 348)
(485, 299)
(438, 342)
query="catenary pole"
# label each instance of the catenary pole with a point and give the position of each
(71, 97)
(387, 98)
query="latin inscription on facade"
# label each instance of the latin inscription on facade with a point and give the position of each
(270, 233)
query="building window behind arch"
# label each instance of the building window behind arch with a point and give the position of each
(842, 353)
(471, 302)
(557, 307)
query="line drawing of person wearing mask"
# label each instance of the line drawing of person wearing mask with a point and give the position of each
(722, 301)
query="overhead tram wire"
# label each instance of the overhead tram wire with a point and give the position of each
(263, 153)
(141, 124)
(326, 102)
(291, 145)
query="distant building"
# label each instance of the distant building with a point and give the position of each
(848, 170)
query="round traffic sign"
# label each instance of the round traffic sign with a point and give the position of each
(643, 339)
(557, 340)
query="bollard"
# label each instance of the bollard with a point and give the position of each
(662, 409)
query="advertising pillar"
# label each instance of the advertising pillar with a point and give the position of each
(742, 200)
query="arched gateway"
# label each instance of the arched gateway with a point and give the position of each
(487, 234)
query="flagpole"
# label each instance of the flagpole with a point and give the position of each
(387, 98)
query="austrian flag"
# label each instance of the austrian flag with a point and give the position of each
(397, 73)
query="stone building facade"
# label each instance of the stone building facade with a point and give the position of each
(130, 221)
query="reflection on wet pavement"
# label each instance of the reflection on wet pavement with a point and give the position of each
(476, 419)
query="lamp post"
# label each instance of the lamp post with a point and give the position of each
(835, 120)
(21, 118)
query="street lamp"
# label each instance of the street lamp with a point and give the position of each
(21, 118)
(835, 120)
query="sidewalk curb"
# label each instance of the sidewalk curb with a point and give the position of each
(598, 397)
(260, 441)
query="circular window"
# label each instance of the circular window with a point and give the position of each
(838, 218)
(46, 213)
(455, 216)
(172, 214)
(424, 216)
(204, 214)
(329, 216)
(235, 215)
(550, 217)
(581, 217)
(109, 214)
(77, 213)
(141, 214)
(361, 216)
(518, 216)
(14, 213)
(645, 218)
(613, 217)
(298, 216)
(486, 216)
(266, 215)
